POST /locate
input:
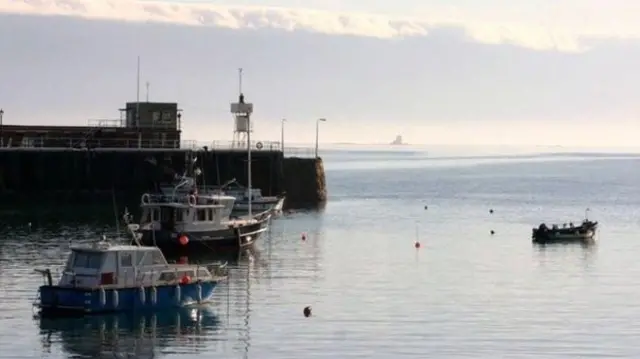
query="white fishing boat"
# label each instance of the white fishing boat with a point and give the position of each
(190, 218)
(183, 223)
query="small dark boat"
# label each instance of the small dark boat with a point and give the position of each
(585, 232)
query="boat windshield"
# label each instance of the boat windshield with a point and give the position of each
(82, 259)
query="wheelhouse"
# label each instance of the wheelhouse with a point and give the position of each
(186, 210)
(124, 266)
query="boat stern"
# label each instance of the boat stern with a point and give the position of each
(57, 300)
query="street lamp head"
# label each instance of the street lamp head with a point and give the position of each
(322, 119)
(1, 112)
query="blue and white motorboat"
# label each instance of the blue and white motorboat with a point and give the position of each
(104, 277)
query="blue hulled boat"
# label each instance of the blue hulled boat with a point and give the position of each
(104, 277)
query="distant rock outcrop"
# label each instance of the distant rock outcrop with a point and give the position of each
(398, 141)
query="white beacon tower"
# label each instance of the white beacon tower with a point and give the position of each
(242, 132)
(242, 119)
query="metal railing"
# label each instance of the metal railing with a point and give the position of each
(89, 142)
(122, 123)
(107, 123)
(300, 152)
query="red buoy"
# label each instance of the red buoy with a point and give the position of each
(183, 260)
(184, 240)
(185, 279)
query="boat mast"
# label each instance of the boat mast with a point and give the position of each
(248, 144)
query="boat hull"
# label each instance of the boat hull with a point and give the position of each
(564, 239)
(227, 238)
(583, 234)
(56, 300)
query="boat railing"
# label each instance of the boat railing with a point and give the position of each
(202, 190)
(155, 276)
(163, 198)
(178, 197)
(219, 269)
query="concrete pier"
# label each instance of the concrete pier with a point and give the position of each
(46, 175)
(137, 153)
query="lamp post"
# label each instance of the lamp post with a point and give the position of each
(318, 130)
(282, 134)
(1, 129)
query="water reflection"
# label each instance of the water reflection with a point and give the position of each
(139, 336)
(237, 289)
(250, 295)
(563, 253)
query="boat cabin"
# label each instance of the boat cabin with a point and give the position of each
(240, 192)
(124, 266)
(186, 210)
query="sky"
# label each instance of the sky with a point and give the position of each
(539, 72)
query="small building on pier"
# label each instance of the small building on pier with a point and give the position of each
(141, 125)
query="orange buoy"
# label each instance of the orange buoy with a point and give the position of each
(185, 279)
(416, 244)
(184, 240)
(304, 236)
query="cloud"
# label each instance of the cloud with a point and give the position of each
(564, 27)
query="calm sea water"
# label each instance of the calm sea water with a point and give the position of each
(464, 294)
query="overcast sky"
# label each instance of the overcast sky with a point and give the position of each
(506, 72)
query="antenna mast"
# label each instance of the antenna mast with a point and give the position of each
(147, 91)
(138, 94)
